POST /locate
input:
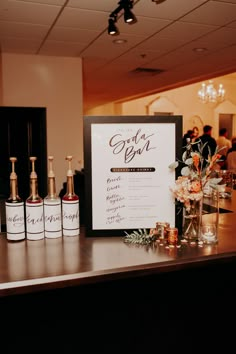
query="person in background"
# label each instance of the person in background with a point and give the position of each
(186, 137)
(231, 156)
(195, 136)
(224, 144)
(210, 147)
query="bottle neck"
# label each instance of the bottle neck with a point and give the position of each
(70, 194)
(14, 191)
(52, 188)
(34, 190)
(70, 186)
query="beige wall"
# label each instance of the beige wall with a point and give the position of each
(54, 83)
(110, 109)
(182, 101)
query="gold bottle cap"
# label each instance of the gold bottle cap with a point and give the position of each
(50, 172)
(13, 175)
(33, 174)
(69, 171)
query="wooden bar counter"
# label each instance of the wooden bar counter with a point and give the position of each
(89, 291)
(28, 266)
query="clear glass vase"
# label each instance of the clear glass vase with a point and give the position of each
(210, 218)
(192, 220)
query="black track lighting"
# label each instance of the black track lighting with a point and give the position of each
(112, 29)
(129, 17)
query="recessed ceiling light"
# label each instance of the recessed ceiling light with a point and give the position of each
(199, 50)
(158, 1)
(119, 41)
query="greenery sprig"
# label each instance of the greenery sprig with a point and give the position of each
(140, 237)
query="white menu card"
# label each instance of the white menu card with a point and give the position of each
(130, 176)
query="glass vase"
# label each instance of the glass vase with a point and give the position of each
(210, 218)
(192, 220)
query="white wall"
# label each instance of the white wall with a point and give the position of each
(54, 83)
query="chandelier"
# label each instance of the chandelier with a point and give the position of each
(208, 93)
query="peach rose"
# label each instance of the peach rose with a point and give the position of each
(195, 186)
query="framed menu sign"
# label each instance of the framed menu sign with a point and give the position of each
(127, 175)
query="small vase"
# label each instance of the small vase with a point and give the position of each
(192, 220)
(210, 218)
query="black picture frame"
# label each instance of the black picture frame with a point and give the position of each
(92, 174)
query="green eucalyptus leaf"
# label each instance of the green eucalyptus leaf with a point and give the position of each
(214, 181)
(219, 149)
(185, 171)
(196, 142)
(220, 187)
(174, 165)
(189, 161)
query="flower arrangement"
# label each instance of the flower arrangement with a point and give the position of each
(195, 173)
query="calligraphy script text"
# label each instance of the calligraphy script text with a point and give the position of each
(135, 145)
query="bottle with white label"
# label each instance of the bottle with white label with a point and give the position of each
(34, 208)
(15, 213)
(52, 207)
(70, 206)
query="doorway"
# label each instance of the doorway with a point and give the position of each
(226, 121)
(23, 134)
(225, 117)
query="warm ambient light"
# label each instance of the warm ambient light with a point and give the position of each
(158, 1)
(208, 93)
(129, 17)
(199, 50)
(119, 41)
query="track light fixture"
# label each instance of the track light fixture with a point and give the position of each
(112, 29)
(128, 15)
(126, 6)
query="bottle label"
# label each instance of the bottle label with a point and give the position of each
(34, 218)
(15, 221)
(70, 217)
(52, 216)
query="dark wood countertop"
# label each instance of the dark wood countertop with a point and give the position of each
(29, 266)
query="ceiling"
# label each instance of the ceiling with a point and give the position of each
(158, 53)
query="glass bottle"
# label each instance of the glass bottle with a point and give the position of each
(15, 218)
(52, 207)
(34, 208)
(70, 206)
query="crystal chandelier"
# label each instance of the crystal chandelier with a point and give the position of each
(208, 93)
